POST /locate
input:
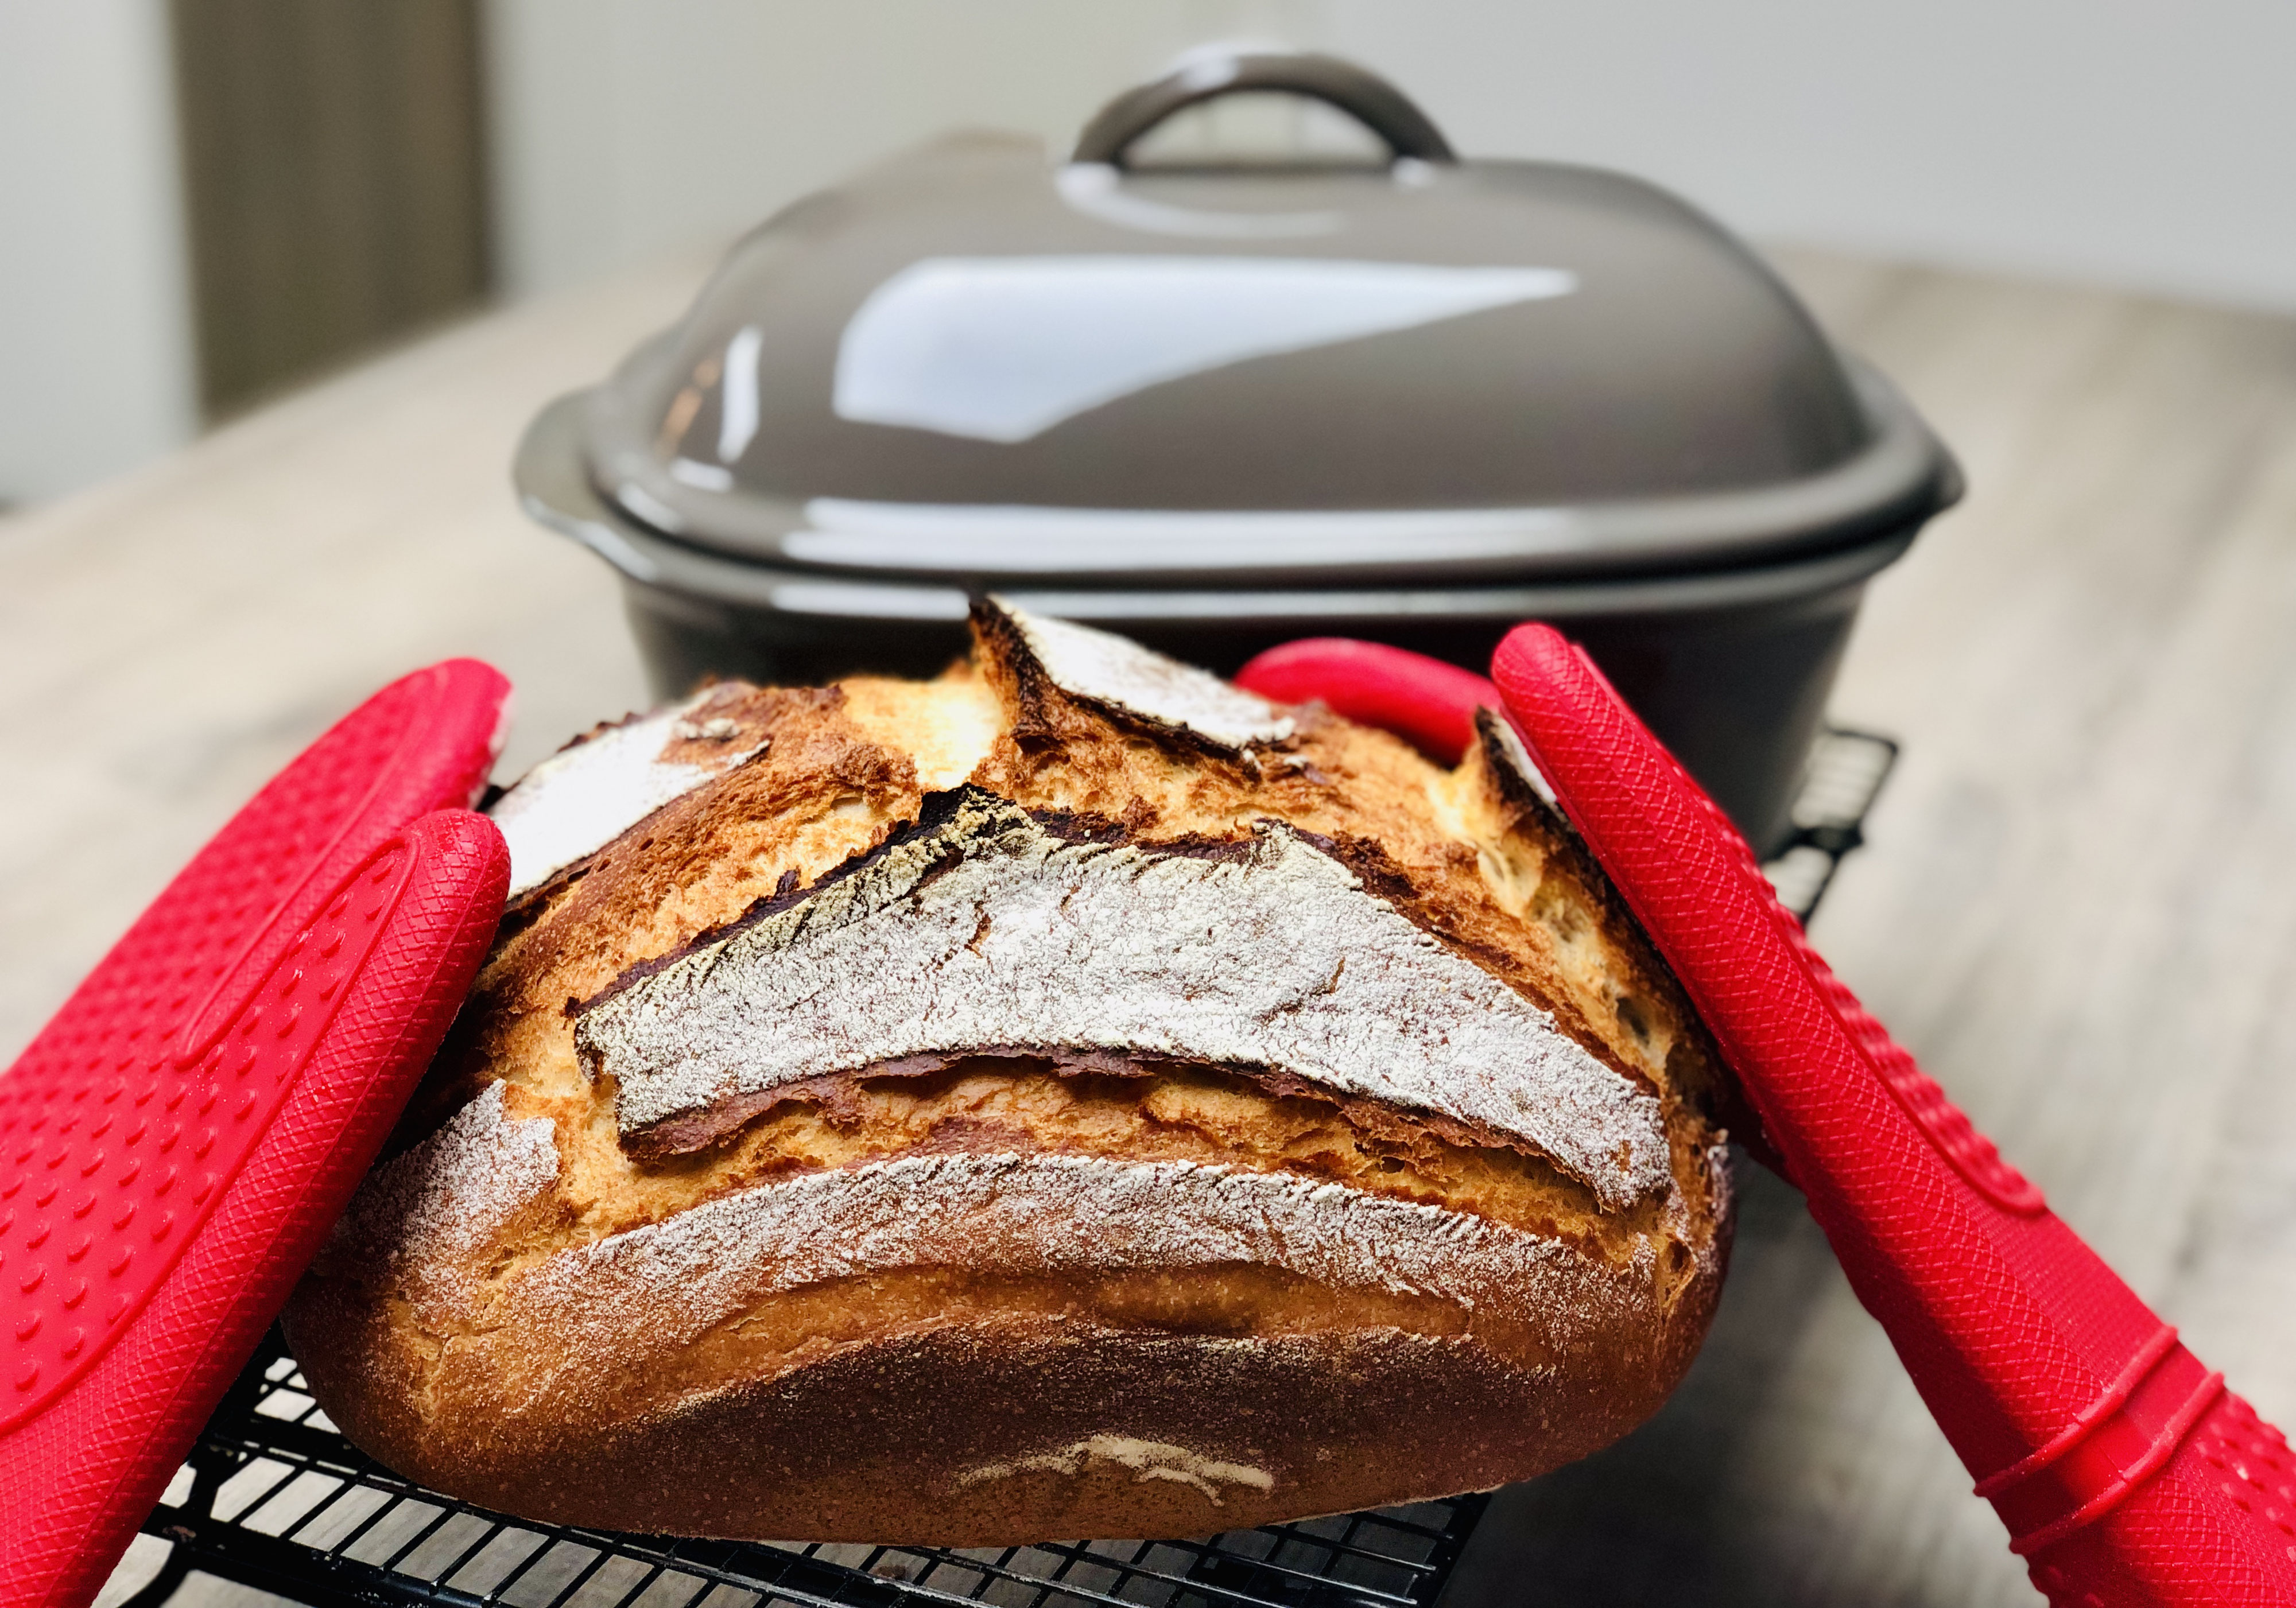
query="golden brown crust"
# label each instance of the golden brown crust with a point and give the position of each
(959, 1392)
(877, 1439)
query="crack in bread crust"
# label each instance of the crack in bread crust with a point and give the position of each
(1037, 1105)
(1254, 1102)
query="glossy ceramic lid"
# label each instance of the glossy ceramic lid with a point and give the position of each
(975, 364)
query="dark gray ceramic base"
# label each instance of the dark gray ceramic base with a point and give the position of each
(1736, 693)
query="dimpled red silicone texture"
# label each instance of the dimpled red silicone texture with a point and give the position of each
(2126, 1473)
(176, 1141)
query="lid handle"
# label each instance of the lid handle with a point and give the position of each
(1365, 96)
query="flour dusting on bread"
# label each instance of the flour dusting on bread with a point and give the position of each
(432, 1208)
(1143, 1459)
(1120, 675)
(985, 929)
(675, 1280)
(579, 800)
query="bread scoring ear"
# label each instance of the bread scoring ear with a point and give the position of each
(1039, 661)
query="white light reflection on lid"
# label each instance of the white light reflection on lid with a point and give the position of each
(737, 416)
(857, 534)
(1002, 348)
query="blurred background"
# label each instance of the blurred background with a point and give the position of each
(206, 201)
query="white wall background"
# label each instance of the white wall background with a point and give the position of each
(2149, 143)
(95, 344)
(627, 126)
(2142, 142)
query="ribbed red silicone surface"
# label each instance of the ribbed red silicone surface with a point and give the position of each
(2125, 1472)
(175, 1140)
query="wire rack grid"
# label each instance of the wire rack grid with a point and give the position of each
(1847, 770)
(274, 1498)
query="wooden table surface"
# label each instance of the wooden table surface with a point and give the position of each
(2079, 906)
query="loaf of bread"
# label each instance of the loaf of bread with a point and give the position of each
(1071, 1096)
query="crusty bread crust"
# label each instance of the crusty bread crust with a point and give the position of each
(996, 1291)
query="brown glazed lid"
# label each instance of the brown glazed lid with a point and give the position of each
(973, 366)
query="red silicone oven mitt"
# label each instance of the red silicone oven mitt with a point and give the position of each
(2125, 1471)
(174, 1144)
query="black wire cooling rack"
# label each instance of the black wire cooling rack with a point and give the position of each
(1847, 770)
(272, 1498)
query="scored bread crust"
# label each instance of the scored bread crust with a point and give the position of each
(636, 1262)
